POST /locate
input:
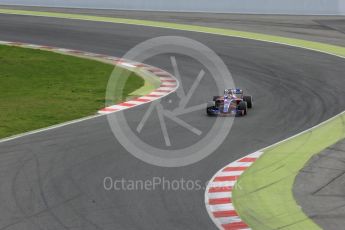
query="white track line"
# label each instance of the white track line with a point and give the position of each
(220, 222)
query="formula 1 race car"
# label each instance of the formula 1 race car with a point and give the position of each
(234, 102)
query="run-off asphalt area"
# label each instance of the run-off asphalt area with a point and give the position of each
(53, 180)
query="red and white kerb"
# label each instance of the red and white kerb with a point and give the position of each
(218, 195)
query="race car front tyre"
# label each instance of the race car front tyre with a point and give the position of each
(249, 101)
(211, 105)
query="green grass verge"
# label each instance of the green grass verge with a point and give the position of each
(332, 49)
(263, 195)
(40, 88)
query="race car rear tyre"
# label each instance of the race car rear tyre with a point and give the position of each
(242, 107)
(249, 101)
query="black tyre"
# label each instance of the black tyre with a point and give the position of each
(242, 108)
(215, 98)
(210, 105)
(249, 101)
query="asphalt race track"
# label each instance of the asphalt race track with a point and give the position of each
(54, 179)
(326, 29)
